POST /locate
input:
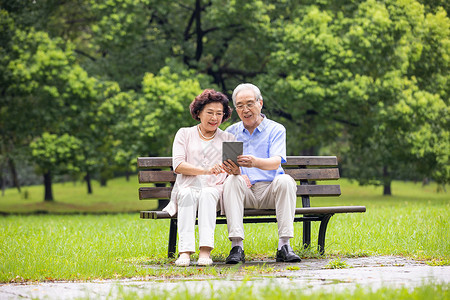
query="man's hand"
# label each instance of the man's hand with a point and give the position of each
(248, 161)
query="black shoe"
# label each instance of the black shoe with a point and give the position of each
(286, 254)
(236, 256)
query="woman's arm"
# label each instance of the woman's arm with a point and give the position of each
(188, 169)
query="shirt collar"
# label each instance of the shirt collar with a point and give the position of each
(260, 127)
(263, 123)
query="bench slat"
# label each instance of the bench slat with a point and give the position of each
(311, 161)
(297, 174)
(154, 162)
(146, 193)
(318, 190)
(156, 176)
(159, 162)
(271, 212)
(313, 174)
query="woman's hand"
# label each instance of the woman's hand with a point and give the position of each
(215, 170)
(231, 168)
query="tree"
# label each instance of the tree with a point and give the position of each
(45, 92)
(55, 154)
(123, 40)
(355, 77)
(155, 115)
(333, 72)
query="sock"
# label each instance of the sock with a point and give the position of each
(237, 242)
(282, 241)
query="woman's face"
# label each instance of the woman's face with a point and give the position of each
(211, 116)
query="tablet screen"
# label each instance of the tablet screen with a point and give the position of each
(231, 150)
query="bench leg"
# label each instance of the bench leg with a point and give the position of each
(322, 232)
(172, 238)
(306, 234)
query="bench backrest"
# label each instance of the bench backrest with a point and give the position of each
(306, 170)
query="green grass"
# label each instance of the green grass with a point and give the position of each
(272, 291)
(413, 223)
(118, 196)
(336, 263)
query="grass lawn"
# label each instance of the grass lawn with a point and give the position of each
(273, 291)
(118, 196)
(414, 223)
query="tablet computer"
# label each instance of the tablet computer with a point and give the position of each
(231, 150)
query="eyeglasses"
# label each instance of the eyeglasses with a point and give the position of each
(249, 105)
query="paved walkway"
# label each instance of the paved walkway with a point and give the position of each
(309, 275)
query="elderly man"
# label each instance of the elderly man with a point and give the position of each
(260, 181)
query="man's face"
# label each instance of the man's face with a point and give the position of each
(248, 109)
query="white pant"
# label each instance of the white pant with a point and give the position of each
(280, 194)
(191, 200)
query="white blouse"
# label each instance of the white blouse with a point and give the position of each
(189, 147)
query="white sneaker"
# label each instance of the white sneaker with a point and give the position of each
(182, 262)
(204, 261)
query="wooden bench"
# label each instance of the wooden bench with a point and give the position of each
(306, 170)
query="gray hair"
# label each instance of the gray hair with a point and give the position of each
(246, 86)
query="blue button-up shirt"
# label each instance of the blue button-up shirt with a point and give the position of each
(267, 140)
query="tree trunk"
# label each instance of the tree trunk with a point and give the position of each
(311, 151)
(48, 187)
(88, 182)
(2, 182)
(103, 181)
(387, 189)
(386, 182)
(199, 31)
(12, 167)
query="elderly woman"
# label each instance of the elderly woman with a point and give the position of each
(197, 161)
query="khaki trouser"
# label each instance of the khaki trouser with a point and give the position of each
(280, 194)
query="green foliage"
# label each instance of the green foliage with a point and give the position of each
(49, 97)
(57, 153)
(360, 81)
(154, 116)
(52, 105)
(366, 80)
(124, 41)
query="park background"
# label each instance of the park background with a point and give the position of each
(89, 86)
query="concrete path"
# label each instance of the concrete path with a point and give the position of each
(309, 275)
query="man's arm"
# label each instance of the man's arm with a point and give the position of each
(250, 161)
